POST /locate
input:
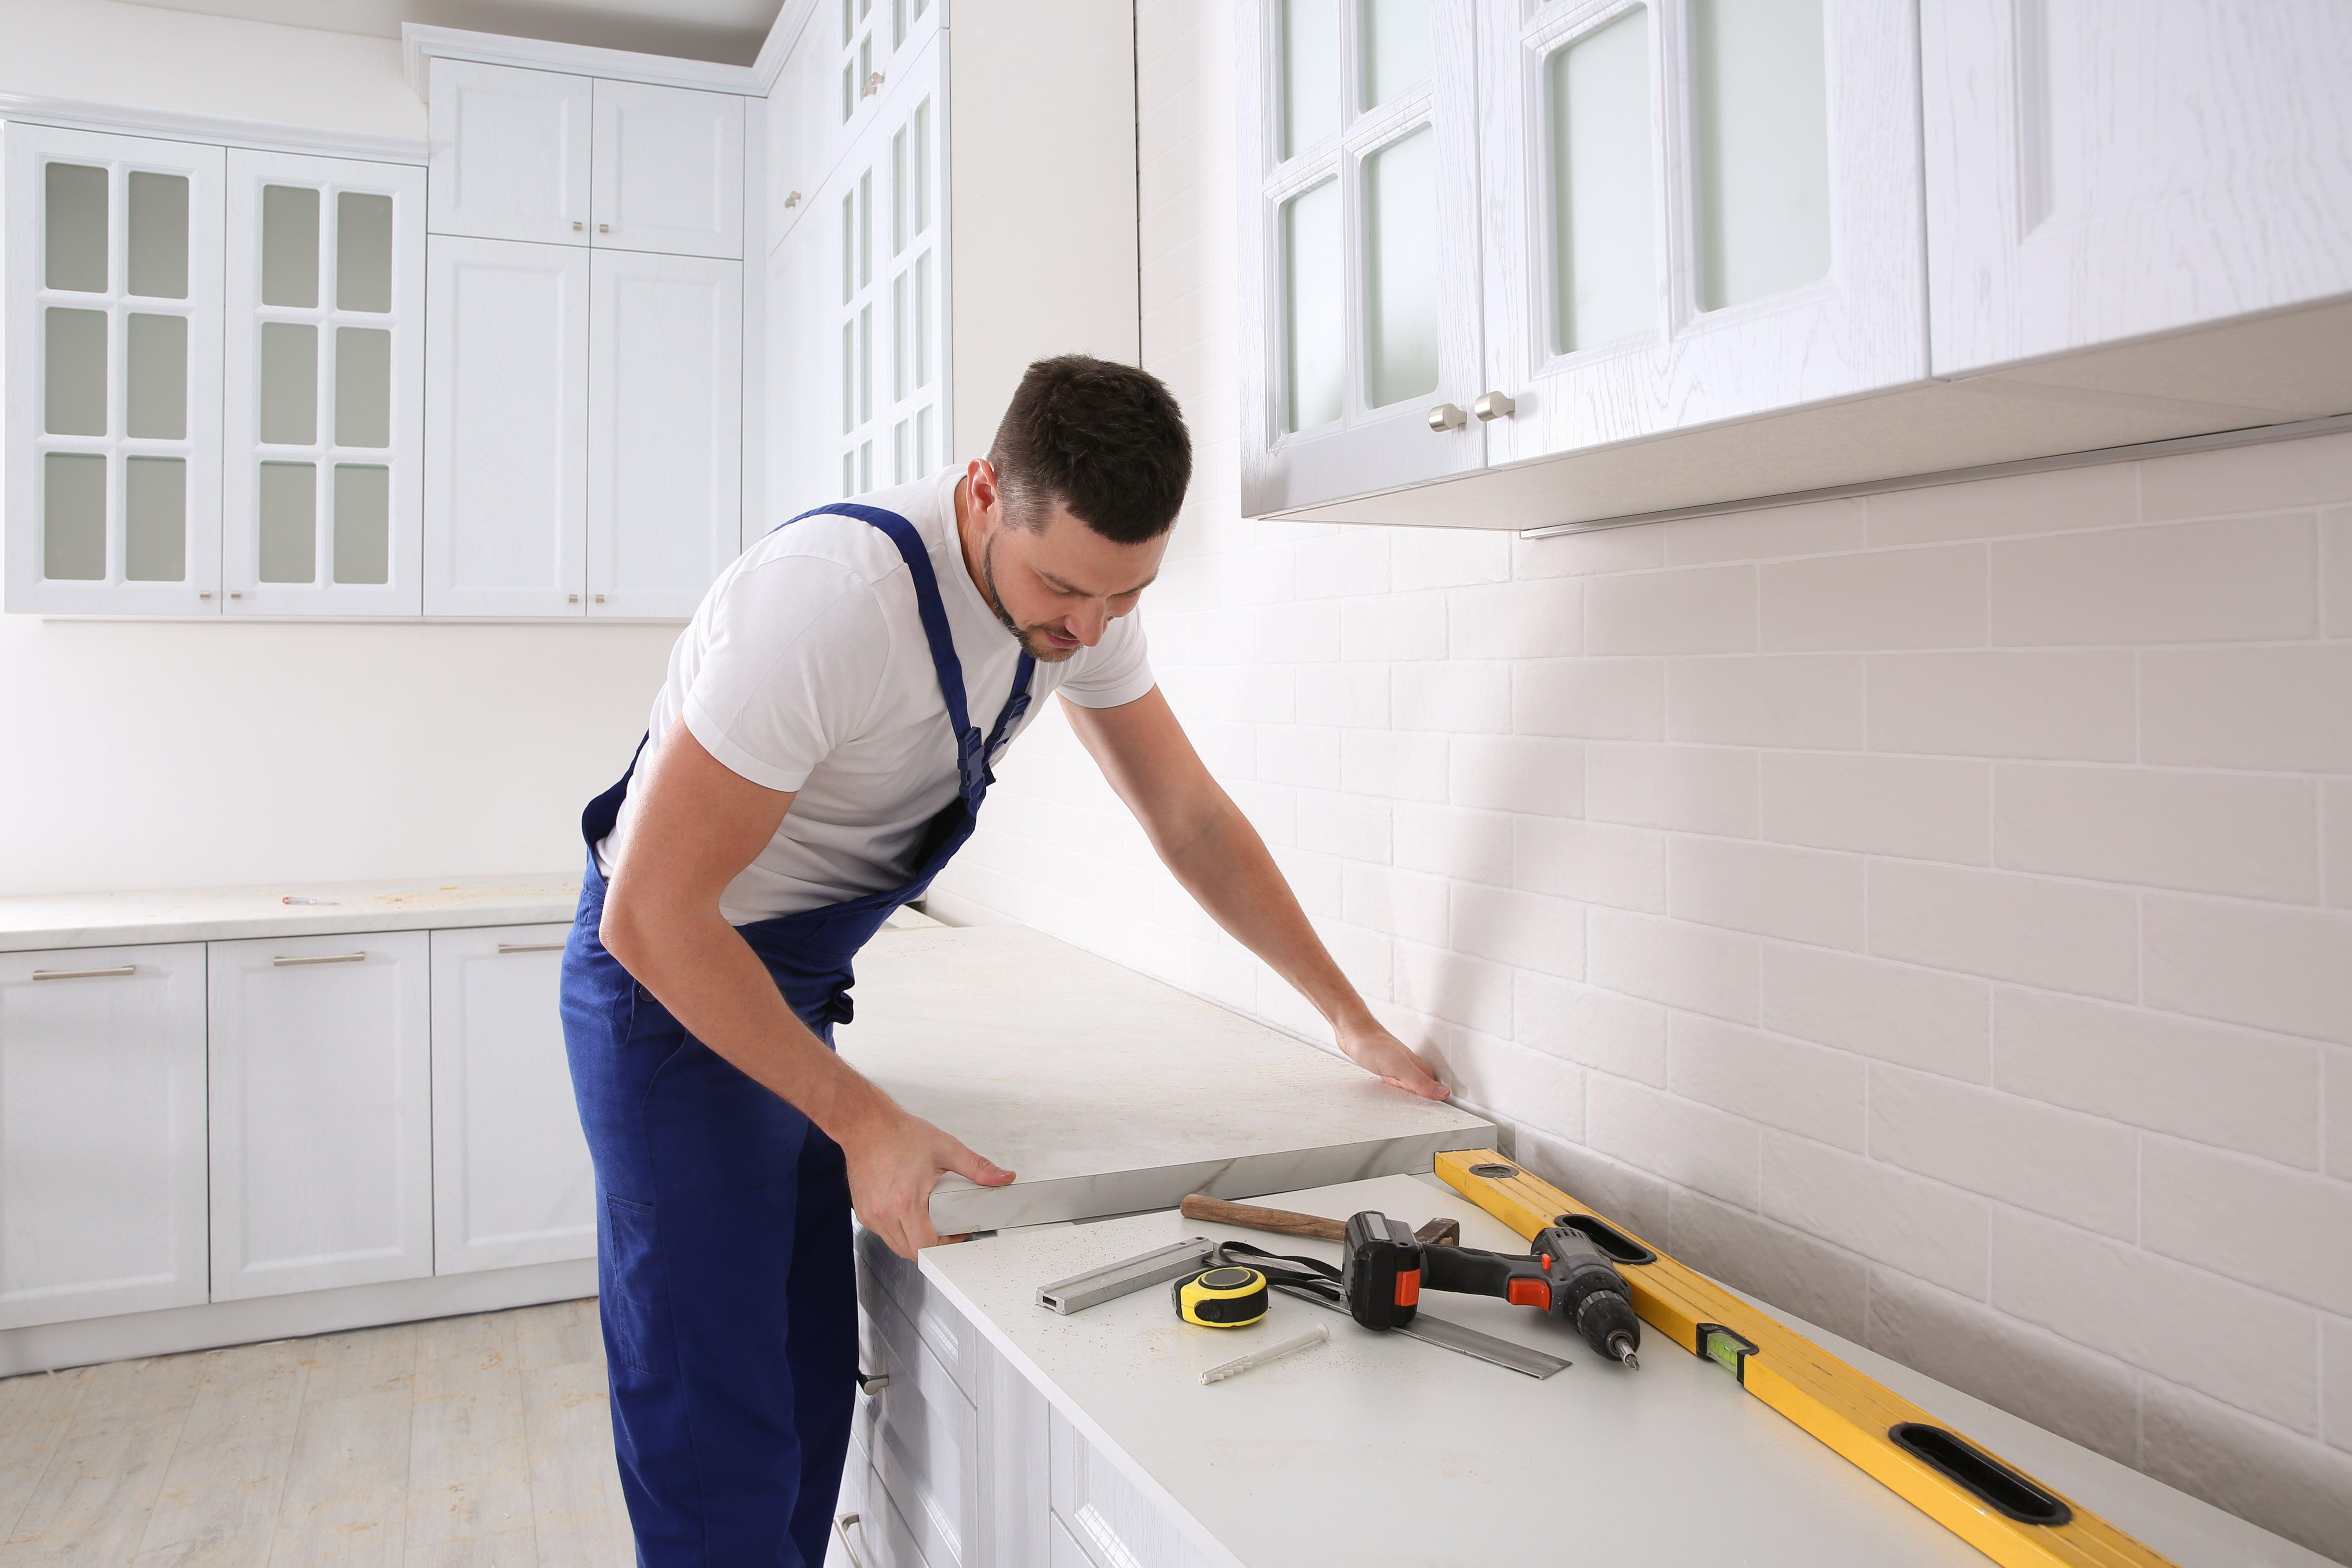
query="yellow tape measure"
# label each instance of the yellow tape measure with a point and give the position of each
(1230, 1297)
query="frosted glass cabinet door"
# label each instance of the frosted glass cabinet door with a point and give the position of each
(665, 429)
(322, 1112)
(510, 151)
(667, 172)
(113, 343)
(511, 1182)
(1695, 210)
(1360, 278)
(505, 429)
(101, 1132)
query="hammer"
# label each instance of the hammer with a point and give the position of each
(1283, 1222)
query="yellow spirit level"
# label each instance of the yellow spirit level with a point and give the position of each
(1986, 1501)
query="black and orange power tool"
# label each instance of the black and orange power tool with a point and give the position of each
(1566, 1275)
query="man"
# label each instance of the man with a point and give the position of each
(817, 752)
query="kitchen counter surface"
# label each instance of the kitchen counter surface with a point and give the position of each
(223, 914)
(1109, 1093)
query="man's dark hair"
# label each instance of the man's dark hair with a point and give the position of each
(1104, 440)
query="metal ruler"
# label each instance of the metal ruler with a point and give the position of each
(1987, 1502)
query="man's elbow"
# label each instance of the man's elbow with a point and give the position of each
(623, 931)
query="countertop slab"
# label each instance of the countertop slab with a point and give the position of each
(1109, 1093)
(223, 914)
(1389, 1453)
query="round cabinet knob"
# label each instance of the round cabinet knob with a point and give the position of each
(603, 229)
(600, 598)
(792, 201)
(576, 227)
(1447, 416)
(574, 598)
(1494, 405)
(873, 85)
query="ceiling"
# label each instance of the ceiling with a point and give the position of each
(729, 31)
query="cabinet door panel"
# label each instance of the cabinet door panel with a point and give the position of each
(2107, 169)
(509, 152)
(669, 170)
(926, 1447)
(1107, 1516)
(665, 421)
(511, 1181)
(507, 430)
(113, 343)
(101, 1132)
(321, 1132)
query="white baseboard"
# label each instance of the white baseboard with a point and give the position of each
(44, 1346)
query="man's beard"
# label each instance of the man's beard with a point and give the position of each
(1033, 645)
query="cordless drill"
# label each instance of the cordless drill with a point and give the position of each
(1386, 1269)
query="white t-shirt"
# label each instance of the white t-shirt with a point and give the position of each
(806, 670)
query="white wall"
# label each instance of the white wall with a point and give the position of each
(1933, 913)
(164, 754)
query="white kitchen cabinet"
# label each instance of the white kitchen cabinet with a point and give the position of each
(665, 429)
(113, 269)
(1360, 288)
(2108, 169)
(323, 400)
(506, 441)
(511, 1180)
(509, 151)
(101, 1132)
(667, 170)
(322, 1112)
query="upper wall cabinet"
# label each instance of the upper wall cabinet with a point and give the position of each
(114, 362)
(1360, 286)
(833, 83)
(568, 160)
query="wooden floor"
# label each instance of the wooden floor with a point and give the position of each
(481, 1442)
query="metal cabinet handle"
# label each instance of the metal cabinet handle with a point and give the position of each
(600, 598)
(1494, 405)
(792, 201)
(574, 598)
(85, 973)
(840, 1527)
(296, 961)
(873, 1382)
(205, 594)
(603, 229)
(873, 85)
(530, 947)
(237, 593)
(1447, 416)
(577, 226)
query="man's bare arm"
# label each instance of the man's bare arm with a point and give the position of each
(696, 825)
(1203, 839)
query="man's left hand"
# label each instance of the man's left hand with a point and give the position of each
(1377, 1051)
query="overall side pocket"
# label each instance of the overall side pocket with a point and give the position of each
(635, 1288)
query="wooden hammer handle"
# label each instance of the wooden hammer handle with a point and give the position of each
(1249, 1216)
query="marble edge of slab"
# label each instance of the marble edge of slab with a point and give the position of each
(41, 921)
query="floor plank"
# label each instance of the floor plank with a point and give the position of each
(469, 1468)
(92, 1502)
(575, 1490)
(35, 1412)
(345, 1503)
(562, 1333)
(218, 1505)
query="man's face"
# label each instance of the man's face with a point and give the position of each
(1058, 585)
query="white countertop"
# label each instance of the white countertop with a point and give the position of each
(225, 914)
(1382, 1452)
(1109, 1093)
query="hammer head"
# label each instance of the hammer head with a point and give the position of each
(1440, 1233)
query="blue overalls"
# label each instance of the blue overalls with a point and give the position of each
(724, 1265)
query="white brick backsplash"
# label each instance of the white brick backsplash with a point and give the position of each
(2252, 1351)
(1452, 842)
(1296, 754)
(2063, 501)
(1783, 1083)
(2229, 1087)
(2335, 1067)
(1624, 867)
(1604, 1029)
(2336, 1391)
(1395, 627)
(1444, 695)
(1442, 983)
(1447, 557)
(2288, 1233)
(1698, 789)
(1585, 555)
(1350, 696)
(2289, 970)
(1809, 527)
(1367, 957)
(1599, 699)
(1800, 895)
(2284, 708)
(1526, 930)
(1885, 599)
(1634, 1201)
(1695, 1145)
(1695, 967)
(2293, 1486)
(2056, 1163)
(1407, 904)
(1349, 562)
(2270, 478)
(2336, 554)
(1512, 1082)
(1787, 1271)
(2202, 832)
(1517, 620)
(2067, 936)
(1919, 1226)
(2336, 815)
(1911, 1017)
(1401, 765)
(2068, 706)
(1920, 808)
(1351, 827)
(2188, 582)
(1529, 773)
(1705, 609)
(2050, 1382)
(1808, 701)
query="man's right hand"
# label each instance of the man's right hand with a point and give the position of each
(895, 1160)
